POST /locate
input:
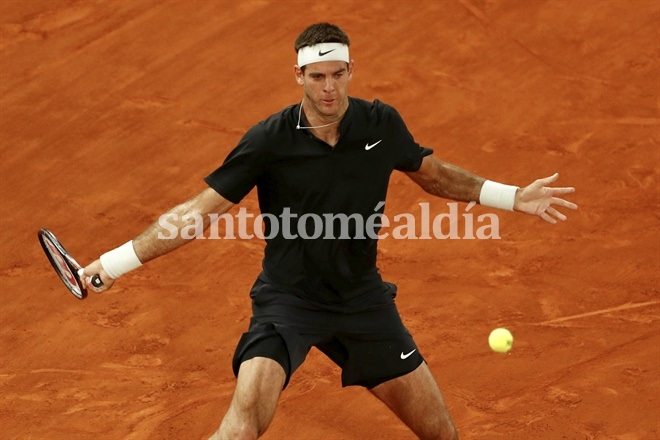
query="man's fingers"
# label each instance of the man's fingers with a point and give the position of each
(563, 190)
(564, 203)
(552, 211)
(81, 275)
(548, 180)
(544, 215)
(539, 192)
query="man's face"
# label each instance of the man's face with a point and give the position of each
(325, 85)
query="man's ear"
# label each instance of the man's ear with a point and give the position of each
(300, 76)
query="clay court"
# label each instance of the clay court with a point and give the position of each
(113, 111)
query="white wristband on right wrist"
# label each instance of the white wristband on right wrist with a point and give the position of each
(498, 195)
(121, 260)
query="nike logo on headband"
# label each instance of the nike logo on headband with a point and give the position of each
(325, 53)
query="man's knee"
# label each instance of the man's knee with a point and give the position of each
(449, 432)
(257, 391)
(444, 430)
(244, 431)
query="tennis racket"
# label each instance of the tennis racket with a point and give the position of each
(65, 265)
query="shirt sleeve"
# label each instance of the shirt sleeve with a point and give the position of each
(241, 169)
(409, 153)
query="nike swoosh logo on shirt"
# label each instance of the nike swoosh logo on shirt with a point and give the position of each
(369, 147)
(325, 53)
(406, 356)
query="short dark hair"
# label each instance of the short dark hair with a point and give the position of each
(321, 33)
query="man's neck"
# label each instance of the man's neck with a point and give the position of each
(324, 128)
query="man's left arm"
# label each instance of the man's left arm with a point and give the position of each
(451, 182)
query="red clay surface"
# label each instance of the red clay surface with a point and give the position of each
(112, 112)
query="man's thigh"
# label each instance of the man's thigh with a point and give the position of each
(416, 399)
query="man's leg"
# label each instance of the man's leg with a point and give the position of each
(416, 399)
(258, 387)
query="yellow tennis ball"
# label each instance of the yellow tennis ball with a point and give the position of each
(500, 340)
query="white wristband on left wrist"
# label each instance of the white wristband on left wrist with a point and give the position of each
(498, 195)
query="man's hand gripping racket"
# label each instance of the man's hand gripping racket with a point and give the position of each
(67, 268)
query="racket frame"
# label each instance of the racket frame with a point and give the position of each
(65, 265)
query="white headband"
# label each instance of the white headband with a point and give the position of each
(322, 52)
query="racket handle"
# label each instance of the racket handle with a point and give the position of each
(96, 281)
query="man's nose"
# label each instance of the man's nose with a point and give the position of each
(329, 85)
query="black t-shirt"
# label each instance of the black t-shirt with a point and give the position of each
(297, 174)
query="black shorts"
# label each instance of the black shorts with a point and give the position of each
(371, 346)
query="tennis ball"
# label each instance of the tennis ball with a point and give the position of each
(500, 340)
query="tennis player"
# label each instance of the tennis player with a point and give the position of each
(329, 154)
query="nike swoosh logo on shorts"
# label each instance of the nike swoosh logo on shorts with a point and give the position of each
(406, 356)
(325, 53)
(369, 147)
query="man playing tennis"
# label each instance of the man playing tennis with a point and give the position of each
(330, 154)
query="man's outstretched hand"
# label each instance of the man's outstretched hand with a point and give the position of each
(539, 199)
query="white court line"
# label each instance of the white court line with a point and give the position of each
(626, 306)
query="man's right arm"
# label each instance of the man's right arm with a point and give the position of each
(151, 243)
(148, 245)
